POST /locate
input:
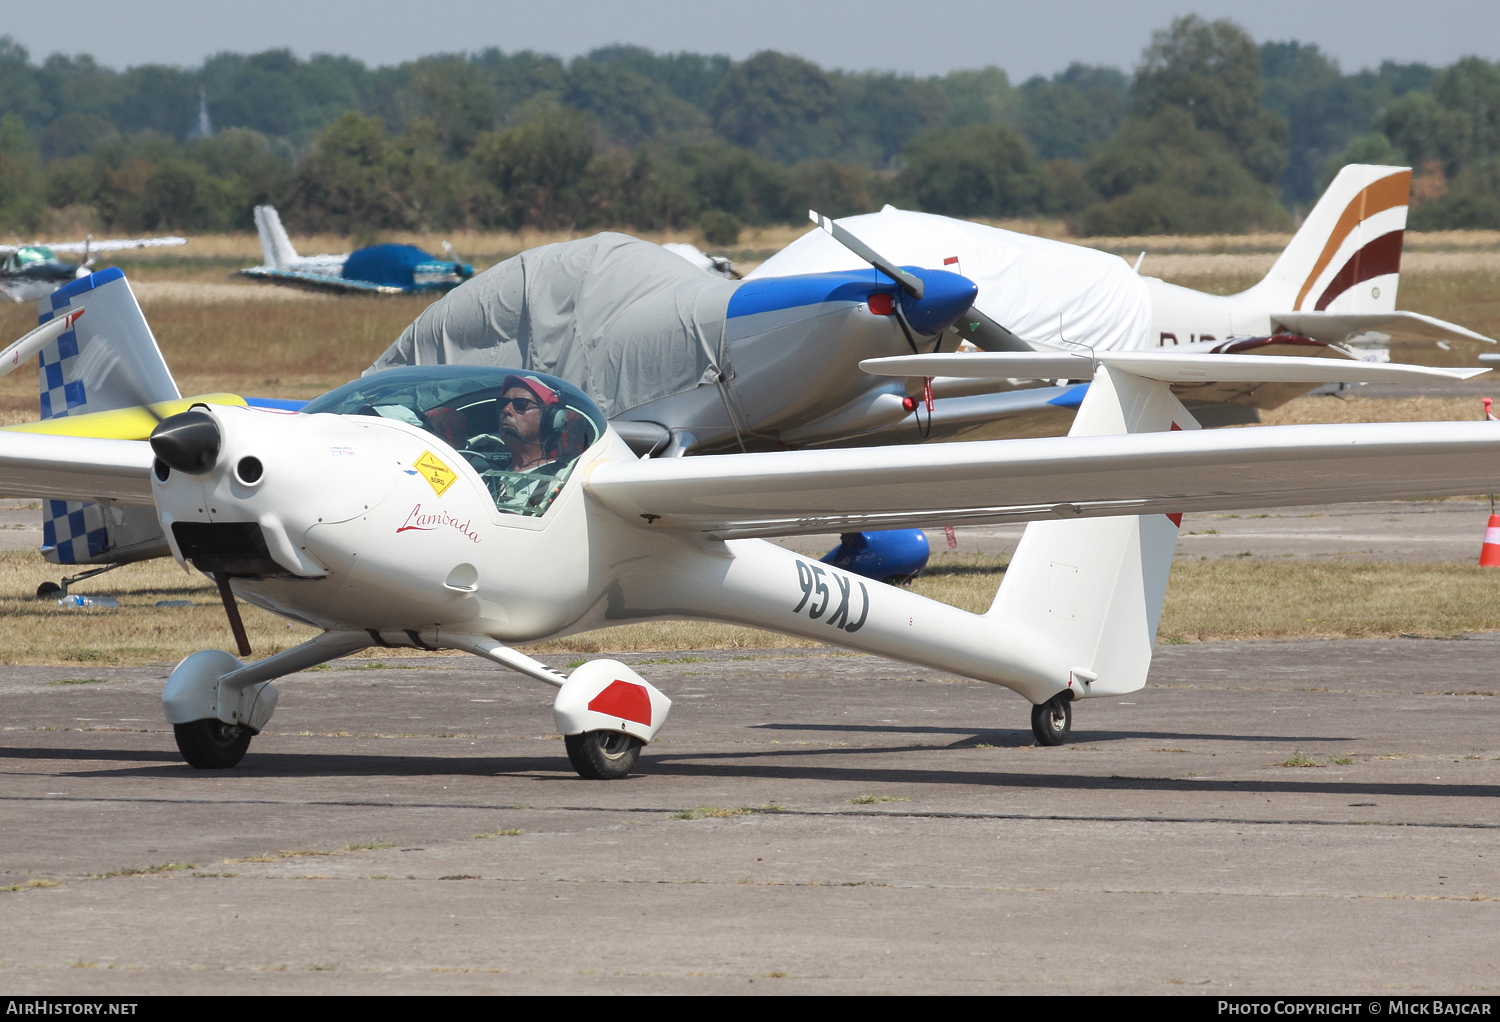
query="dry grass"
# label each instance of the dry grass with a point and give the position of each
(262, 348)
(1251, 598)
(1334, 408)
(36, 631)
(1227, 599)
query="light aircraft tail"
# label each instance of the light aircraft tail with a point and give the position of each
(108, 359)
(1090, 590)
(1346, 256)
(275, 247)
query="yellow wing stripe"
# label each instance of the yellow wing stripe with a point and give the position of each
(1387, 193)
(121, 423)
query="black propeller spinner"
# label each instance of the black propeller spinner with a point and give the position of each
(187, 442)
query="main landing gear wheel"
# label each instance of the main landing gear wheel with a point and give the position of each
(602, 755)
(212, 744)
(1051, 721)
(46, 589)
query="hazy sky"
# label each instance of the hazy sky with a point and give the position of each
(920, 36)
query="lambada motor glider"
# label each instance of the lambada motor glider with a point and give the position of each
(475, 508)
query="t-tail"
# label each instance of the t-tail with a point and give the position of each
(1346, 256)
(1335, 282)
(275, 247)
(108, 359)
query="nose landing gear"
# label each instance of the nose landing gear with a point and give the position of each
(1051, 721)
(212, 744)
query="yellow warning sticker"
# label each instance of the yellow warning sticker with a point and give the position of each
(438, 475)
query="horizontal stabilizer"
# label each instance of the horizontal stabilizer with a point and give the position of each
(1339, 327)
(1162, 367)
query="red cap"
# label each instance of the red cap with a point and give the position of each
(545, 395)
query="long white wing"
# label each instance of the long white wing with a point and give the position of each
(1025, 480)
(118, 244)
(75, 468)
(1164, 367)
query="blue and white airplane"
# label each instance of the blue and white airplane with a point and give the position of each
(375, 269)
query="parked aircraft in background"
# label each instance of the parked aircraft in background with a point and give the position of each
(477, 507)
(376, 269)
(30, 272)
(1331, 292)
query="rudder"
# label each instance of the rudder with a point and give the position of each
(108, 360)
(1346, 256)
(1088, 592)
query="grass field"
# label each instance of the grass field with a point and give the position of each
(254, 340)
(1206, 600)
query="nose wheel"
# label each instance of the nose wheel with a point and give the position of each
(212, 744)
(602, 755)
(1051, 721)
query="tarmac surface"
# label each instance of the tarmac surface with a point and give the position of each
(810, 821)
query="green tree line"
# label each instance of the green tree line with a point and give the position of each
(1211, 132)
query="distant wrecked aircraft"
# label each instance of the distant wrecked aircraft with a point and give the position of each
(31, 272)
(376, 269)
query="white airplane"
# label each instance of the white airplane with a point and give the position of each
(1332, 292)
(374, 269)
(475, 508)
(30, 272)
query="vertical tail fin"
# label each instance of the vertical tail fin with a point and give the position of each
(109, 359)
(1346, 256)
(1089, 591)
(275, 247)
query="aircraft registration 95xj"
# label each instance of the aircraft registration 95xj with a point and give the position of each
(475, 508)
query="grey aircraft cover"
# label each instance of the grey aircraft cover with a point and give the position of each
(622, 319)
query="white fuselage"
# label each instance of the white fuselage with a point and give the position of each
(376, 549)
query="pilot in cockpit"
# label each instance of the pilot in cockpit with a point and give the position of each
(532, 424)
(522, 432)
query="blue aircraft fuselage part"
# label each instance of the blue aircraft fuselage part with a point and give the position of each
(946, 296)
(402, 266)
(1072, 397)
(283, 404)
(892, 553)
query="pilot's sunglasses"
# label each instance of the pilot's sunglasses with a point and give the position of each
(522, 405)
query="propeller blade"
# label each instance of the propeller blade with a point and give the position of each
(100, 361)
(987, 335)
(911, 284)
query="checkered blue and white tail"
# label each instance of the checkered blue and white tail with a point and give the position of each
(109, 360)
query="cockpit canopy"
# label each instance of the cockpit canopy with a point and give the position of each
(522, 431)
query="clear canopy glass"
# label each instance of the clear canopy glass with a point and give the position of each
(522, 431)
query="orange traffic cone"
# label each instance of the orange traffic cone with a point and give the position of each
(1489, 554)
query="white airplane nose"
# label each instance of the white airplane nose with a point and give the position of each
(239, 489)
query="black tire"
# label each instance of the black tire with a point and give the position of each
(603, 755)
(47, 589)
(1051, 721)
(212, 744)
